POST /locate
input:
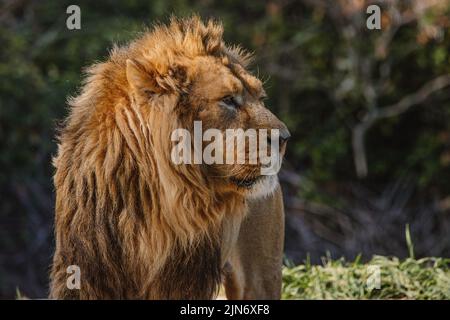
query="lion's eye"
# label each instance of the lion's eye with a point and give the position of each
(229, 101)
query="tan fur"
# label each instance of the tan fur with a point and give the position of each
(255, 261)
(137, 225)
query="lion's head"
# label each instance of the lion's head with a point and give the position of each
(198, 79)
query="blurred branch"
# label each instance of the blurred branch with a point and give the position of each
(396, 109)
(349, 17)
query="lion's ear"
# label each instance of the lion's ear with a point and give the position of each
(141, 81)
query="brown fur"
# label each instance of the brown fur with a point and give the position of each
(137, 225)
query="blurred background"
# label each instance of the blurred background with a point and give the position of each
(369, 111)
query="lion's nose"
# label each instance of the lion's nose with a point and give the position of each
(284, 137)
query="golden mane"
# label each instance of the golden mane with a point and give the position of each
(125, 214)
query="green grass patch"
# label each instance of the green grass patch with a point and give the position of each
(380, 278)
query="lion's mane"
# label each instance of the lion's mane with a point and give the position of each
(137, 225)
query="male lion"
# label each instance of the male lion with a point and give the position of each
(139, 226)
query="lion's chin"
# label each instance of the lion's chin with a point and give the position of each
(263, 186)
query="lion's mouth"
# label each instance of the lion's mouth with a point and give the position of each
(245, 183)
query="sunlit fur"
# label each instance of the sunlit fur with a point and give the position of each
(137, 225)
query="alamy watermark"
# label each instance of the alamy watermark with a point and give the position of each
(234, 146)
(374, 277)
(74, 280)
(373, 22)
(73, 21)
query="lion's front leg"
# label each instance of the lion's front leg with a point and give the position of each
(254, 268)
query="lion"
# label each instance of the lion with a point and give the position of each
(137, 225)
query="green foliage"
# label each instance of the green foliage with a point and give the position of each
(427, 278)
